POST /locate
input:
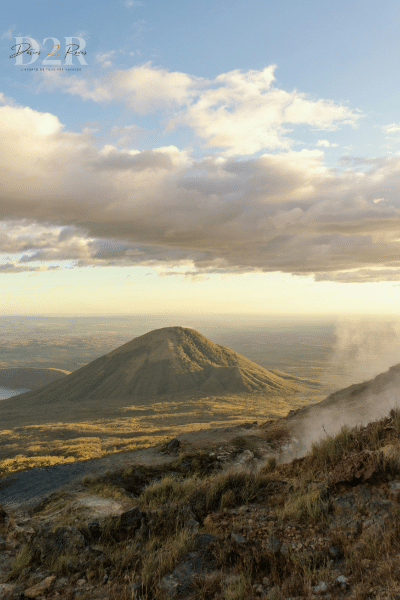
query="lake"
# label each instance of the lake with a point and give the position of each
(6, 392)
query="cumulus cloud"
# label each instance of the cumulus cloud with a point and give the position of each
(127, 134)
(144, 88)
(326, 144)
(65, 199)
(392, 128)
(105, 58)
(240, 113)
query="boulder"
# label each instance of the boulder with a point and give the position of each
(273, 544)
(7, 590)
(192, 525)
(137, 590)
(131, 519)
(236, 537)
(345, 524)
(199, 563)
(39, 589)
(63, 540)
(171, 447)
(354, 468)
(95, 530)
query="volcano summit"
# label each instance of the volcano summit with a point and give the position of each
(169, 362)
(172, 360)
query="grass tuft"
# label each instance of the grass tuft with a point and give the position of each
(331, 449)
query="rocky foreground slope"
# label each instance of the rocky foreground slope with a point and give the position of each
(222, 523)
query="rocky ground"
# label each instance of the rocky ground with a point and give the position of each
(222, 522)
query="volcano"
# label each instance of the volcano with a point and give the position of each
(172, 360)
(168, 362)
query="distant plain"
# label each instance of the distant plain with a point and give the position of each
(299, 348)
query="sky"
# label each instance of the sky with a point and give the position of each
(200, 158)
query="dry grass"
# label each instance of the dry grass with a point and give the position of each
(331, 449)
(211, 496)
(270, 465)
(156, 565)
(275, 434)
(45, 443)
(104, 489)
(189, 483)
(242, 442)
(168, 490)
(239, 589)
(22, 560)
(209, 493)
(305, 503)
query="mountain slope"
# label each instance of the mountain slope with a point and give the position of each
(359, 403)
(172, 360)
(356, 405)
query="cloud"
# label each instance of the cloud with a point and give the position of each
(326, 144)
(365, 275)
(240, 113)
(65, 200)
(244, 113)
(105, 58)
(145, 89)
(129, 134)
(16, 268)
(392, 128)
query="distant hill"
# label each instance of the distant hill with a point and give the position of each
(172, 361)
(31, 378)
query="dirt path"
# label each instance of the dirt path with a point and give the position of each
(31, 486)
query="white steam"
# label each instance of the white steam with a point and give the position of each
(372, 403)
(363, 348)
(366, 352)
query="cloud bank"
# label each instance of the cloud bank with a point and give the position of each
(63, 198)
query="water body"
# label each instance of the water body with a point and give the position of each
(6, 392)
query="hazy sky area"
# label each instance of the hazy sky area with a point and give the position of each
(200, 158)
